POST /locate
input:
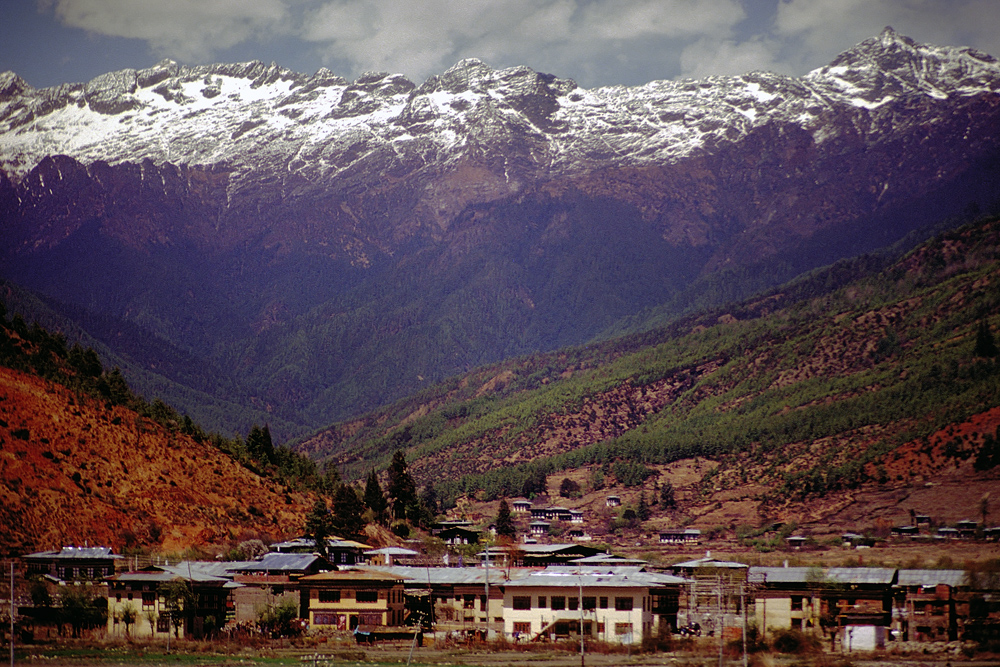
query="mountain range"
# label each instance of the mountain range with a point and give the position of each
(256, 245)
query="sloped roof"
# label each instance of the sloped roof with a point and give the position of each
(454, 576)
(954, 578)
(69, 553)
(817, 575)
(285, 562)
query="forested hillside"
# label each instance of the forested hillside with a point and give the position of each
(817, 387)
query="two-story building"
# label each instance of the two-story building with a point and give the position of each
(604, 604)
(72, 564)
(349, 599)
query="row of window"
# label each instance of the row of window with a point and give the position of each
(621, 629)
(359, 596)
(560, 602)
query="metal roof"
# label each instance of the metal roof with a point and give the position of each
(453, 576)
(573, 578)
(74, 552)
(818, 575)
(286, 562)
(392, 551)
(708, 561)
(953, 578)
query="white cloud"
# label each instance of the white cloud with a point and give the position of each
(184, 29)
(815, 31)
(595, 41)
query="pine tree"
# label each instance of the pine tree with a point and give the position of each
(667, 499)
(504, 522)
(402, 490)
(347, 508)
(643, 510)
(985, 344)
(318, 527)
(375, 498)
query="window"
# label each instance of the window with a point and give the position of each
(796, 603)
(604, 602)
(367, 596)
(163, 623)
(623, 628)
(148, 600)
(329, 596)
(522, 627)
(482, 603)
(589, 603)
(574, 604)
(541, 601)
(522, 602)
(469, 602)
(624, 604)
(558, 602)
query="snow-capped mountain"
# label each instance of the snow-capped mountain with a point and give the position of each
(687, 177)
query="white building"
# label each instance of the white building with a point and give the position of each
(617, 605)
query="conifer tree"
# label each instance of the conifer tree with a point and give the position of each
(402, 490)
(346, 520)
(504, 522)
(318, 527)
(375, 498)
(986, 346)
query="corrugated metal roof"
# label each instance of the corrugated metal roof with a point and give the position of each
(74, 552)
(818, 575)
(287, 562)
(452, 576)
(952, 578)
(590, 579)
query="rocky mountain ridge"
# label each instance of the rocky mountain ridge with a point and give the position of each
(310, 233)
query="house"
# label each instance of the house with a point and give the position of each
(157, 600)
(555, 513)
(905, 531)
(847, 602)
(967, 529)
(603, 604)
(680, 536)
(456, 535)
(537, 555)
(341, 552)
(272, 580)
(390, 555)
(539, 528)
(930, 605)
(455, 599)
(347, 600)
(71, 564)
(520, 506)
(579, 535)
(947, 533)
(613, 501)
(796, 541)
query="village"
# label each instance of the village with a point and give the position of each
(533, 590)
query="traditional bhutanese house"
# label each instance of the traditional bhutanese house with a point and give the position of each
(992, 533)
(537, 555)
(796, 541)
(613, 501)
(143, 596)
(455, 599)
(578, 535)
(390, 555)
(855, 600)
(922, 519)
(348, 599)
(456, 535)
(341, 552)
(930, 605)
(555, 513)
(613, 605)
(967, 529)
(520, 505)
(539, 528)
(272, 580)
(71, 564)
(576, 516)
(680, 536)
(905, 531)
(947, 533)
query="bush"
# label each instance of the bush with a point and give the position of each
(795, 641)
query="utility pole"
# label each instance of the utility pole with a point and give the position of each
(722, 621)
(11, 612)
(579, 579)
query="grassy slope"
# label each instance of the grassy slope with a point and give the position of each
(859, 369)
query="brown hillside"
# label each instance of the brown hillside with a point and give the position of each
(75, 472)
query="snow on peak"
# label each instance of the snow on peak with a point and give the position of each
(257, 117)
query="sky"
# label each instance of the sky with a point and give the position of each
(594, 42)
